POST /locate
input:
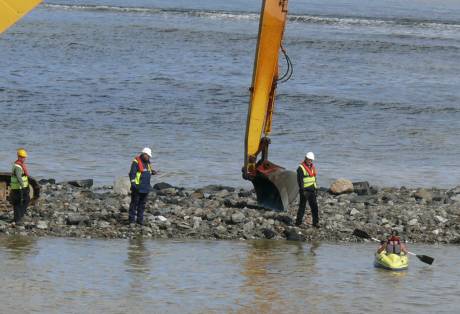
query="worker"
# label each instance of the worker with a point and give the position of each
(19, 185)
(140, 174)
(306, 179)
(392, 244)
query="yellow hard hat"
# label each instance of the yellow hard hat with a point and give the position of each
(22, 153)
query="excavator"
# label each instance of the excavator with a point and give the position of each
(12, 11)
(275, 186)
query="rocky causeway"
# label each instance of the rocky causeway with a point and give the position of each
(79, 210)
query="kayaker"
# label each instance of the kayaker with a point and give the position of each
(393, 244)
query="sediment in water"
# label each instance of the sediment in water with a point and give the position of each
(219, 212)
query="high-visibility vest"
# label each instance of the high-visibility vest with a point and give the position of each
(309, 175)
(14, 183)
(140, 169)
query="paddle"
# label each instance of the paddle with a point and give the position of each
(362, 234)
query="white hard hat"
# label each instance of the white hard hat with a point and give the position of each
(147, 151)
(310, 156)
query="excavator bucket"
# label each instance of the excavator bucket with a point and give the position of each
(276, 188)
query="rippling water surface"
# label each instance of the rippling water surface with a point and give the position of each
(147, 276)
(85, 84)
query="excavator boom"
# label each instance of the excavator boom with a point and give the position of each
(12, 11)
(275, 187)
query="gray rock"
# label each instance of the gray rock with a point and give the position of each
(238, 217)
(413, 222)
(43, 225)
(354, 211)
(361, 188)
(196, 222)
(423, 194)
(76, 219)
(248, 227)
(122, 186)
(440, 219)
(341, 186)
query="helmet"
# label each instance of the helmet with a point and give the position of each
(22, 153)
(147, 151)
(310, 156)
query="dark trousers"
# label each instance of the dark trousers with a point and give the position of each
(310, 195)
(137, 206)
(20, 199)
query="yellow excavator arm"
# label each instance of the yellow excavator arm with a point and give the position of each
(275, 187)
(12, 11)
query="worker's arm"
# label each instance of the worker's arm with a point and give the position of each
(133, 172)
(18, 173)
(300, 178)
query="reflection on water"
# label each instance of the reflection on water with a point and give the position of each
(143, 276)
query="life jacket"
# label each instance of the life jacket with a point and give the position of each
(140, 169)
(393, 245)
(14, 183)
(309, 175)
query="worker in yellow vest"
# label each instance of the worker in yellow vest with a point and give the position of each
(139, 175)
(19, 186)
(306, 179)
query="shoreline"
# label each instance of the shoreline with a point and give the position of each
(225, 213)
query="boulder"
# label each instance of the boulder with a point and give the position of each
(361, 188)
(293, 235)
(76, 219)
(162, 185)
(268, 233)
(341, 186)
(87, 183)
(423, 194)
(122, 186)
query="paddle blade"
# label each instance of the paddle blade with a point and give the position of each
(361, 234)
(426, 259)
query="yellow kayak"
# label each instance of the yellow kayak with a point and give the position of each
(391, 261)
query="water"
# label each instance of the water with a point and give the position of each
(137, 276)
(85, 84)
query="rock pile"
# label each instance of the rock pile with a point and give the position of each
(220, 212)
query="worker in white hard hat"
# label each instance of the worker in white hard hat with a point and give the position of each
(306, 178)
(140, 175)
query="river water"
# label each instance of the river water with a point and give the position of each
(85, 84)
(52, 275)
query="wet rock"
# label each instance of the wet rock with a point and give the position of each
(441, 219)
(122, 186)
(292, 234)
(341, 186)
(87, 183)
(268, 233)
(162, 185)
(285, 219)
(361, 188)
(47, 181)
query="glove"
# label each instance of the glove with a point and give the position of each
(154, 172)
(133, 186)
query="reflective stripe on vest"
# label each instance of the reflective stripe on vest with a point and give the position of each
(14, 183)
(141, 169)
(309, 176)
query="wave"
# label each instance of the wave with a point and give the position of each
(310, 19)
